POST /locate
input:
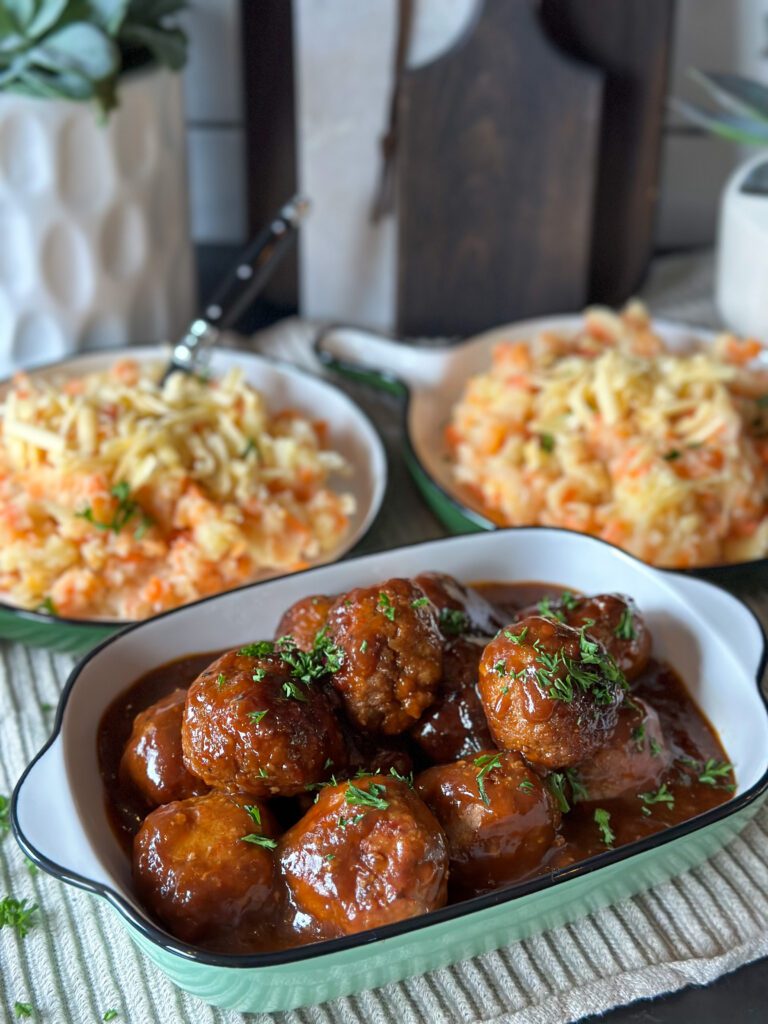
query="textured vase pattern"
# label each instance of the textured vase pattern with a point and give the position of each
(94, 232)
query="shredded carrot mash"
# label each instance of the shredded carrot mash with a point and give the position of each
(607, 432)
(120, 498)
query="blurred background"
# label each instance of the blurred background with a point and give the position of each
(469, 162)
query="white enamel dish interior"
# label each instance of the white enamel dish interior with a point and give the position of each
(350, 432)
(710, 637)
(436, 377)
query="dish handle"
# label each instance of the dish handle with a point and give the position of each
(738, 626)
(381, 362)
(45, 820)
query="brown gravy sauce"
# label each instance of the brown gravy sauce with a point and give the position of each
(688, 734)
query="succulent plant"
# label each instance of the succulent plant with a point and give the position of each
(76, 49)
(744, 117)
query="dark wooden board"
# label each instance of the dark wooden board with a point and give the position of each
(630, 41)
(497, 157)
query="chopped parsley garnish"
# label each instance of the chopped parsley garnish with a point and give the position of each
(516, 638)
(603, 822)
(671, 455)
(328, 763)
(546, 609)
(568, 600)
(547, 442)
(385, 606)
(625, 628)
(655, 747)
(420, 602)
(638, 735)
(251, 446)
(110, 1015)
(453, 621)
(556, 784)
(23, 1009)
(5, 822)
(254, 813)
(17, 914)
(407, 779)
(291, 690)
(714, 770)
(31, 868)
(578, 789)
(500, 667)
(47, 708)
(258, 675)
(47, 606)
(261, 649)
(661, 795)
(258, 840)
(561, 676)
(263, 773)
(486, 763)
(364, 646)
(125, 511)
(371, 797)
(526, 786)
(220, 679)
(329, 856)
(354, 820)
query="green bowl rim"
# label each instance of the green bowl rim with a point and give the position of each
(46, 619)
(151, 932)
(390, 382)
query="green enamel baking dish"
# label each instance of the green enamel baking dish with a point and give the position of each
(710, 637)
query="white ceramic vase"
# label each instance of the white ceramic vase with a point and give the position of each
(94, 228)
(741, 284)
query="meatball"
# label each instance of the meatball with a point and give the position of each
(305, 619)
(195, 869)
(460, 609)
(613, 619)
(498, 815)
(392, 655)
(251, 724)
(549, 691)
(455, 726)
(367, 854)
(632, 759)
(152, 762)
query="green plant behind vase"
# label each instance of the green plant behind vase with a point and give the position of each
(77, 49)
(744, 102)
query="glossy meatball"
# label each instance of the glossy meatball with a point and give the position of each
(305, 619)
(498, 815)
(251, 725)
(152, 762)
(392, 655)
(455, 726)
(631, 760)
(549, 691)
(460, 609)
(613, 619)
(195, 870)
(367, 854)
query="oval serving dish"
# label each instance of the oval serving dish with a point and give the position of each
(350, 432)
(712, 639)
(431, 380)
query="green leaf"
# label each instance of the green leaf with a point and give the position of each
(167, 46)
(109, 14)
(735, 93)
(48, 13)
(728, 126)
(32, 82)
(79, 48)
(13, 69)
(21, 11)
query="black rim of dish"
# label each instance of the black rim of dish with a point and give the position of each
(160, 938)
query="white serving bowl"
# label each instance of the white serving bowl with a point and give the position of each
(712, 639)
(350, 432)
